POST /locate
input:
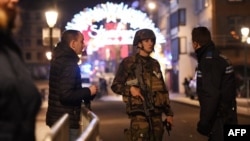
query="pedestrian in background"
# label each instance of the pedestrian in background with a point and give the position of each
(20, 99)
(103, 86)
(65, 90)
(139, 80)
(185, 83)
(216, 86)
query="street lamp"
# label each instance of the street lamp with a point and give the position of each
(51, 18)
(151, 6)
(245, 38)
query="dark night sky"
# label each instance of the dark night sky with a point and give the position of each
(67, 8)
(75, 6)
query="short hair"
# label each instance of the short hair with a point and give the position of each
(69, 35)
(201, 35)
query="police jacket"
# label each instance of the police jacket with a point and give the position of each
(156, 93)
(20, 99)
(65, 90)
(216, 88)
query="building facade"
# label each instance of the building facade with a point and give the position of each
(223, 17)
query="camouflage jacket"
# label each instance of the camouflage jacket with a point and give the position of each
(156, 92)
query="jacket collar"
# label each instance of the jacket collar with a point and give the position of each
(63, 50)
(202, 51)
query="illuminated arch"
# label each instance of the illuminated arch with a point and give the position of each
(112, 24)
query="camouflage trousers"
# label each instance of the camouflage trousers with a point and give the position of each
(140, 130)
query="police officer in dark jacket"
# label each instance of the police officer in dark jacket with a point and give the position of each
(216, 86)
(65, 89)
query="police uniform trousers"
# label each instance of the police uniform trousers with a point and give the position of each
(140, 129)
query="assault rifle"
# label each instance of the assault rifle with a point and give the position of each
(146, 104)
(146, 93)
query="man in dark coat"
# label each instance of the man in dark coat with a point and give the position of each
(216, 87)
(20, 100)
(65, 90)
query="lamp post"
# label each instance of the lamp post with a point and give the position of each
(51, 18)
(245, 38)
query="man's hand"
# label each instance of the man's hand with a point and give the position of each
(93, 89)
(168, 123)
(136, 92)
(170, 120)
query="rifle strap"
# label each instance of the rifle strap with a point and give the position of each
(148, 64)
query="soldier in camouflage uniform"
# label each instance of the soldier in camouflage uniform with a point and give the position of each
(139, 80)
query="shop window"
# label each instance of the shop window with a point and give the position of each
(28, 56)
(182, 16)
(175, 44)
(178, 18)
